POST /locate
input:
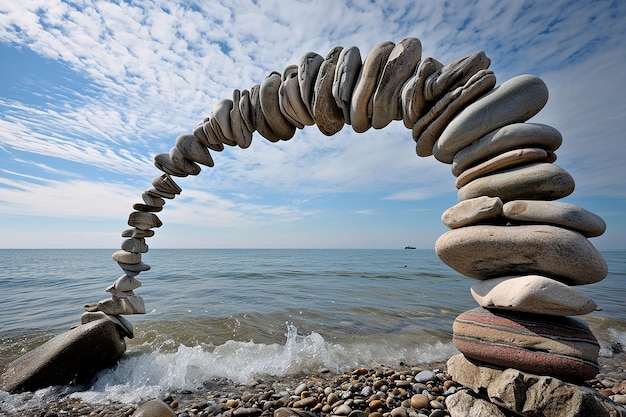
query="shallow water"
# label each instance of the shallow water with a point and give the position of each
(243, 313)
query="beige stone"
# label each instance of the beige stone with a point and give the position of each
(125, 327)
(414, 103)
(539, 181)
(466, 403)
(429, 127)
(532, 294)
(125, 283)
(505, 160)
(327, 115)
(361, 104)
(290, 100)
(212, 141)
(152, 200)
(270, 106)
(163, 162)
(516, 100)
(126, 257)
(506, 138)
(472, 211)
(400, 65)
(128, 304)
(346, 75)
(486, 251)
(556, 213)
(308, 67)
(154, 408)
(220, 121)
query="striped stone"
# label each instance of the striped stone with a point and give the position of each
(562, 347)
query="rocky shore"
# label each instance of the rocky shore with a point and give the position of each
(407, 390)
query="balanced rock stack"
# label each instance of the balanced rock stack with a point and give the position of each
(508, 231)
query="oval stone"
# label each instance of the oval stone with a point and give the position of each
(557, 213)
(516, 100)
(472, 211)
(540, 181)
(562, 347)
(486, 251)
(516, 135)
(532, 294)
(504, 160)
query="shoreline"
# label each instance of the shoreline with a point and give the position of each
(378, 392)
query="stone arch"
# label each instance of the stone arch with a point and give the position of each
(526, 249)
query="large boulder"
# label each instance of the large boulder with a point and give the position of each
(526, 394)
(73, 357)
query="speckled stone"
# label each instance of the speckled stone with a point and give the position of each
(400, 65)
(485, 251)
(563, 347)
(538, 181)
(556, 213)
(516, 100)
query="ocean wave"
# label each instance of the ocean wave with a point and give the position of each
(149, 371)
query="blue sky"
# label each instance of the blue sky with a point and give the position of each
(90, 91)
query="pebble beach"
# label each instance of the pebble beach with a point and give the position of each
(407, 390)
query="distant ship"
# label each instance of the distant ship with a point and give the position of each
(409, 247)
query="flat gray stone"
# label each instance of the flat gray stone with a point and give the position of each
(166, 183)
(206, 132)
(361, 105)
(472, 211)
(327, 115)
(486, 251)
(193, 150)
(308, 67)
(126, 257)
(400, 65)
(414, 103)
(164, 163)
(505, 160)
(346, 75)
(429, 127)
(540, 181)
(245, 110)
(137, 233)
(180, 162)
(125, 283)
(144, 221)
(73, 357)
(241, 133)
(260, 123)
(516, 100)
(532, 294)
(133, 270)
(135, 245)
(557, 213)
(454, 75)
(516, 135)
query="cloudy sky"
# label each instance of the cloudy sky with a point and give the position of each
(90, 91)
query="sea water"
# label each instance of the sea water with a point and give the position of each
(242, 314)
